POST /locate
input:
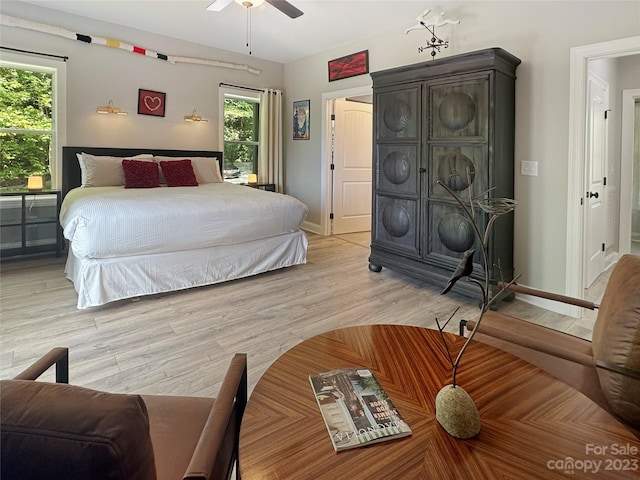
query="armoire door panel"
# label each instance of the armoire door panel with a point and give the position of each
(397, 169)
(396, 224)
(398, 114)
(451, 233)
(458, 167)
(459, 110)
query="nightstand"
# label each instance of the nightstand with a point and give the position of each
(270, 187)
(29, 222)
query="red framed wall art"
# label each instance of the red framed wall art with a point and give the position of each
(151, 103)
(349, 66)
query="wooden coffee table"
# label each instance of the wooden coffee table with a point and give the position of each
(533, 425)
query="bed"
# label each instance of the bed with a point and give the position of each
(130, 242)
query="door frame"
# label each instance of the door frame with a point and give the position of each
(579, 57)
(626, 164)
(325, 150)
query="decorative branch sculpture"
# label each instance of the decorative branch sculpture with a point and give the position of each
(455, 409)
(496, 207)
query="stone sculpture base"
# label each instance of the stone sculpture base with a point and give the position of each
(457, 413)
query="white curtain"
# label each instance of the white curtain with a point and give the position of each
(270, 165)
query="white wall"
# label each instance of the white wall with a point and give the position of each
(541, 35)
(96, 74)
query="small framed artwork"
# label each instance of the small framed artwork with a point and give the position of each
(349, 66)
(301, 126)
(151, 103)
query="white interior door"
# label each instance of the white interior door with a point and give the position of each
(352, 167)
(595, 214)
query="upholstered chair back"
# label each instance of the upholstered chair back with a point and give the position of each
(616, 340)
(59, 432)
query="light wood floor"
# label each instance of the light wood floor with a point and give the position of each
(181, 342)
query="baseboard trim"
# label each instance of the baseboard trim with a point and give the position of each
(557, 307)
(312, 227)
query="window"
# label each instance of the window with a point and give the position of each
(240, 135)
(32, 127)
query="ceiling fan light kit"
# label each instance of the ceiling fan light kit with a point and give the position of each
(282, 5)
(245, 3)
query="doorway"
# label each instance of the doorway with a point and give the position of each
(351, 165)
(575, 248)
(346, 167)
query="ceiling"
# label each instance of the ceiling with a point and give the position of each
(274, 36)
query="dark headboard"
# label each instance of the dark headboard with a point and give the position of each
(72, 178)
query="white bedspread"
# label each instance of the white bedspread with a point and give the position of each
(106, 222)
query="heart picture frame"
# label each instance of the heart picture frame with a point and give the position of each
(151, 103)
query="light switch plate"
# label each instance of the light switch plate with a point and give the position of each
(529, 168)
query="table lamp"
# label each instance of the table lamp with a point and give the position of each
(34, 182)
(252, 178)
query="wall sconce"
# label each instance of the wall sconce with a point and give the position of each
(194, 117)
(34, 183)
(252, 178)
(110, 109)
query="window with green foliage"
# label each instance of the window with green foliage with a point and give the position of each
(241, 133)
(27, 131)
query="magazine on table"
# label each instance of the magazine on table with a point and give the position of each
(356, 409)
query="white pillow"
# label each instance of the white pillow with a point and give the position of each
(105, 171)
(207, 169)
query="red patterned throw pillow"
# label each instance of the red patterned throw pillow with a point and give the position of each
(179, 173)
(140, 174)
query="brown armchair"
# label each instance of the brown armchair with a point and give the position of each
(59, 431)
(606, 369)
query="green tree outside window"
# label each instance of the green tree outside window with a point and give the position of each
(240, 136)
(26, 126)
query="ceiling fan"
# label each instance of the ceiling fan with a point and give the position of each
(282, 5)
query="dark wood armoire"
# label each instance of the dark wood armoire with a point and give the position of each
(451, 120)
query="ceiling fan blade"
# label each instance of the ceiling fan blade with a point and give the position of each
(218, 5)
(286, 8)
